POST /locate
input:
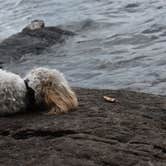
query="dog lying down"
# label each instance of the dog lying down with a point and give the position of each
(41, 88)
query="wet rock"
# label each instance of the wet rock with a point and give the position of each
(132, 5)
(34, 38)
(130, 132)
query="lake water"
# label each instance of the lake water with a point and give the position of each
(119, 44)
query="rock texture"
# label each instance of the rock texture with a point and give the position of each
(130, 132)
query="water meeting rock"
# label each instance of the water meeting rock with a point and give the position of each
(129, 132)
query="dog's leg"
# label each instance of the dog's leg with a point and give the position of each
(53, 111)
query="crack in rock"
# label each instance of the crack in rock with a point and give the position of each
(163, 149)
(25, 134)
(4, 132)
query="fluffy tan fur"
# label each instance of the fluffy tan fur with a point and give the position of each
(52, 90)
(59, 99)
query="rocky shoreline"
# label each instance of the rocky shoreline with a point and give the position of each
(129, 132)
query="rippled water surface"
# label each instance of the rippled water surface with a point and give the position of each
(119, 43)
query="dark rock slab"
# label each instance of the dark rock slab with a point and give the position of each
(32, 41)
(130, 132)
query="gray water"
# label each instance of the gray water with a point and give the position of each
(120, 44)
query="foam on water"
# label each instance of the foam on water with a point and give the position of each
(119, 44)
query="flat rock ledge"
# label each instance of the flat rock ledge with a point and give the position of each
(130, 132)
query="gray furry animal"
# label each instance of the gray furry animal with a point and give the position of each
(12, 93)
(35, 24)
(41, 87)
(51, 90)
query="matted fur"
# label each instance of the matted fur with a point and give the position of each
(52, 90)
(12, 93)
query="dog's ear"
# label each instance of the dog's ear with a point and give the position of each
(62, 99)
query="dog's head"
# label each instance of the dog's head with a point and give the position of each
(51, 89)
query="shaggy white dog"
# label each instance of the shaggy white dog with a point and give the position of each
(41, 88)
(13, 93)
(52, 91)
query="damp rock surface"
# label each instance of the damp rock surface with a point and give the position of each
(129, 132)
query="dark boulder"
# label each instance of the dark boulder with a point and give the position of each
(32, 39)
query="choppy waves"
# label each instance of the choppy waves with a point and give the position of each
(118, 44)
